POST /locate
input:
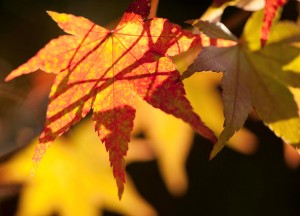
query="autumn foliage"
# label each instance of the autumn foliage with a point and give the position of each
(106, 71)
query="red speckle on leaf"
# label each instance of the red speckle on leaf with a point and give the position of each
(140, 7)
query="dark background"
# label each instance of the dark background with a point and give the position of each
(232, 184)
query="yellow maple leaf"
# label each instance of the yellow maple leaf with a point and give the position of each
(73, 179)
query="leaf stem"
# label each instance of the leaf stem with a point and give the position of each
(153, 10)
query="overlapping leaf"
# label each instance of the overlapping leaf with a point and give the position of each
(217, 7)
(104, 70)
(255, 78)
(271, 8)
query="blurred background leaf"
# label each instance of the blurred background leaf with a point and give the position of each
(75, 167)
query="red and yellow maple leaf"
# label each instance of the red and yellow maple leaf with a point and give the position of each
(104, 70)
(271, 8)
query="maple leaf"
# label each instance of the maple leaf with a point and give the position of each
(105, 70)
(271, 8)
(255, 77)
(74, 178)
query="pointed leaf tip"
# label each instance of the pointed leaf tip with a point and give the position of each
(8, 78)
(57, 17)
(52, 14)
(120, 185)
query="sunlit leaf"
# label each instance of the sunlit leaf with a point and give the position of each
(104, 70)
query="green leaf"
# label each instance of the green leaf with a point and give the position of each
(256, 78)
